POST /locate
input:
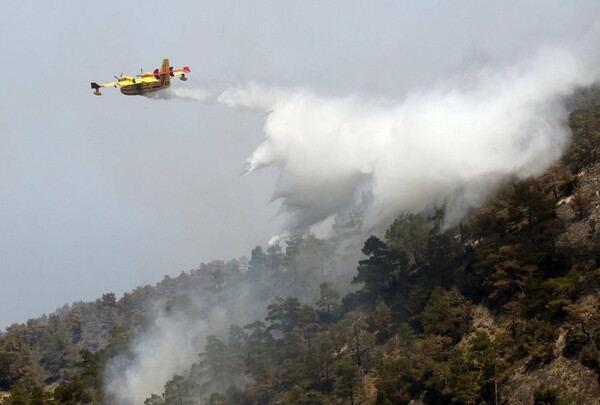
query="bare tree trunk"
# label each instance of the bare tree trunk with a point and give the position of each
(495, 382)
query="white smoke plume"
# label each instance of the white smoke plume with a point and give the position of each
(168, 348)
(175, 337)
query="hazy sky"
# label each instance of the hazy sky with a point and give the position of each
(103, 194)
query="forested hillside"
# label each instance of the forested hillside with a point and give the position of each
(502, 309)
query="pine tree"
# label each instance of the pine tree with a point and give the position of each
(217, 360)
(382, 321)
(283, 315)
(445, 313)
(347, 378)
(329, 301)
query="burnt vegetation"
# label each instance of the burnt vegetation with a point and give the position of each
(502, 309)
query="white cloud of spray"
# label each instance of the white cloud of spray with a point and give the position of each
(204, 94)
(451, 144)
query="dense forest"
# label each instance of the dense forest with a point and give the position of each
(502, 309)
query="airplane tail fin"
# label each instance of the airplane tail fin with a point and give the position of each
(165, 72)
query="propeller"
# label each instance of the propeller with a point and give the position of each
(119, 78)
(141, 73)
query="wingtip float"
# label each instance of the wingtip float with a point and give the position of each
(145, 82)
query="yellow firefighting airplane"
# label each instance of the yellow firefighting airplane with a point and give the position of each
(146, 82)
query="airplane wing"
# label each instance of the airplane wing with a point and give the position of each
(180, 72)
(124, 83)
(146, 80)
(97, 87)
(136, 81)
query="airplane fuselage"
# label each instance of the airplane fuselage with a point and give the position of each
(141, 88)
